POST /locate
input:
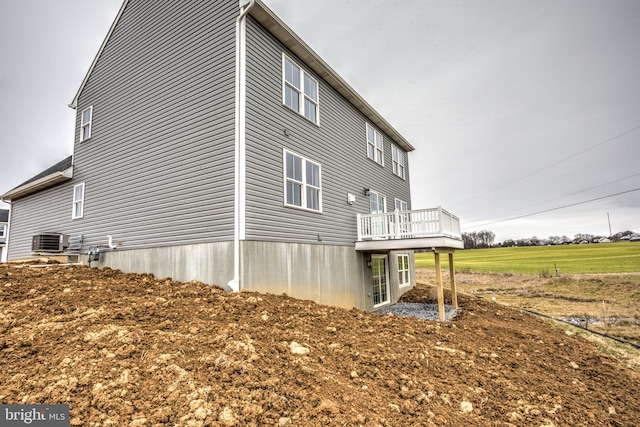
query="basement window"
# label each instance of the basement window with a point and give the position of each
(404, 278)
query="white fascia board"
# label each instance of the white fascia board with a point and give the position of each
(419, 243)
(74, 103)
(39, 184)
(286, 36)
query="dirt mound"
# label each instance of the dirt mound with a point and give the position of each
(125, 349)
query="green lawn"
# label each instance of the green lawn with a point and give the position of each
(619, 257)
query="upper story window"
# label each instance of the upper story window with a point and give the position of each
(375, 149)
(401, 205)
(377, 202)
(85, 123)
(302, 183)
(3, 230)
(398, 161)
(300, 90)
(78, 201)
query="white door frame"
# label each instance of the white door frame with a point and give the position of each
(384, 280)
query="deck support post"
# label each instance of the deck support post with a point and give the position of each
(439, 283)
(452, 275)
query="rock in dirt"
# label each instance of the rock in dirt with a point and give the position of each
(298, 349)
(466, 406)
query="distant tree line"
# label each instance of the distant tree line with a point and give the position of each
(485, 239)
(478, 239)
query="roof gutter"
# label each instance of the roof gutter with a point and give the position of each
(287, 37)
(74, 102)
(39, 184)
(5, 253)
(240, 141)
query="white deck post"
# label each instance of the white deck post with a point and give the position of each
(396, 214)
(359, 226)
(452, 275)
(441, 310)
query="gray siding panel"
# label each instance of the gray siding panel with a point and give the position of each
(338, 144)
(47, 211)
(158, 168)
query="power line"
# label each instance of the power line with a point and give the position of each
(547, 167)
(553, 209)
(568, 195)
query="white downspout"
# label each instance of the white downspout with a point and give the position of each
(5, 253)
(239, 164)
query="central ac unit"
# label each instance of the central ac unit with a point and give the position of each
(49, 242)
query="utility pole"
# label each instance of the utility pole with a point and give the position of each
(609, 220)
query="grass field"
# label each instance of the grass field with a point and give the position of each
(619, 257)
(599, 284)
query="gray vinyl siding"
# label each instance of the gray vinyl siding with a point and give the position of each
(47, 211)
(338, 144)
(158, 167)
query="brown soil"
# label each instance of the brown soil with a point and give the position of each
(605, 303)
(124, 349)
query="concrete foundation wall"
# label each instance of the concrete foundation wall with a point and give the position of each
(210, 263)
(327, 274)
(394, 282)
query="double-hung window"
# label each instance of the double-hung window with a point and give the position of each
(375, 149)
(3, 230)
(78, 201)
(404, 278)
(401, 205)
(398, 161)
(86, 118)
(300, 90)
(302, 183)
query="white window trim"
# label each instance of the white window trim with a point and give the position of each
(395, 204)
(378, 155)
(83, 124)
(3, 230)
(407, 272)
(385, 259)
(396, 153)
(303, 183)
(404, 217)
(301, 92)
(384, 200)
(77, 202)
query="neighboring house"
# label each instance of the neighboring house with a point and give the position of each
(4, 233)
(213, 144)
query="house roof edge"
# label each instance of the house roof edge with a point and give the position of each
(269, 20)
(60, 172)
(40, 184)
(74, 102)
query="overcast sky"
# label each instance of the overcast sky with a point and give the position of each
(514, 107)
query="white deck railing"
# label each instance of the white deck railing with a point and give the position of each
(422, 223)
